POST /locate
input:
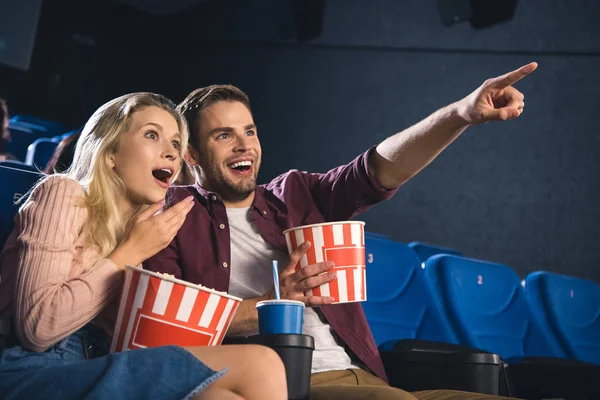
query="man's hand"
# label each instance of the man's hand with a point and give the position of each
(496, 99)
(293, 284)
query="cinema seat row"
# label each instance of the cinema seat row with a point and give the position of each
(449, 314)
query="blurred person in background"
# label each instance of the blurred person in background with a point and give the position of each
(63, 155)
(4, 133)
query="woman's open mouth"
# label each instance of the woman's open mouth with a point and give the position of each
(162, 177)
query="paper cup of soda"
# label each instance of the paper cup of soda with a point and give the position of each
(158, 310)
(340, 242)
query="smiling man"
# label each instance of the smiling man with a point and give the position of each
(228, 166)
(230, 237)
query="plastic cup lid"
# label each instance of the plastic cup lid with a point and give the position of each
(279, 302)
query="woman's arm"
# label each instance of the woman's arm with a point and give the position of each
(53, 295)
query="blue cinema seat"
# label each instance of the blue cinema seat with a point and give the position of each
(486, 307)
(569, 308)
(40, 151)
(418, 349)
(14, 183)
(399, 302)
(21, 136)
(426, 250)
(53, 128)
(18, 165)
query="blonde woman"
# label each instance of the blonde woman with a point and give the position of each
(62, 270)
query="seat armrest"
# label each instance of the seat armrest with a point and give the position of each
(415, 365)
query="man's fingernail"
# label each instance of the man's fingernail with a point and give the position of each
(330, 264)
(333, 275)
(305, 245)
(161, 203)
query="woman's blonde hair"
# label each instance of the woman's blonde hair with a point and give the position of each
(100, 137)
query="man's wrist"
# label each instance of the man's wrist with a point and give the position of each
(458, 113)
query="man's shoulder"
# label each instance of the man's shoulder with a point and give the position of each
(178, 193)
(291, 177)
(196, 217)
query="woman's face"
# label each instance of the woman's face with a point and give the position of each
(148, 156)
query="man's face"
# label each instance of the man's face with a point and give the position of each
(227, 150)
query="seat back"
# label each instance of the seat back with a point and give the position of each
(63, 136)
(399, 302)
(18, 165)
(426, 250)
(569, 308)
(40, 152)
(485, 305)
(21, 136)
(54, 128)
(15, 183)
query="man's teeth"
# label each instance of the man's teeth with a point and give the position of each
(166, 170)
(241, 164)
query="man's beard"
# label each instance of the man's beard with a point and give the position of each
(228, 190)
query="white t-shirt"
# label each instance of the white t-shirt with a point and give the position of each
(251, 276)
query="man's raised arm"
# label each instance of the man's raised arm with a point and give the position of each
(403, 155)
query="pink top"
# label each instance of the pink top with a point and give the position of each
(51, 283)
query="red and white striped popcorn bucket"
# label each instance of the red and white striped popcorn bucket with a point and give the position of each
(340, 242)
(158, 310)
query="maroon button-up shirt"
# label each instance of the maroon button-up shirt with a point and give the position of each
(200, 253)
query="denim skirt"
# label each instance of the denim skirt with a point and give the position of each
(79, 367)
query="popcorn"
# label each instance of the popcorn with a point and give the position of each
(157, 309)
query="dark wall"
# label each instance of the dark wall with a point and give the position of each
(524, 192)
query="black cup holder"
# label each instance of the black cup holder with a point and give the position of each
(296, 353)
